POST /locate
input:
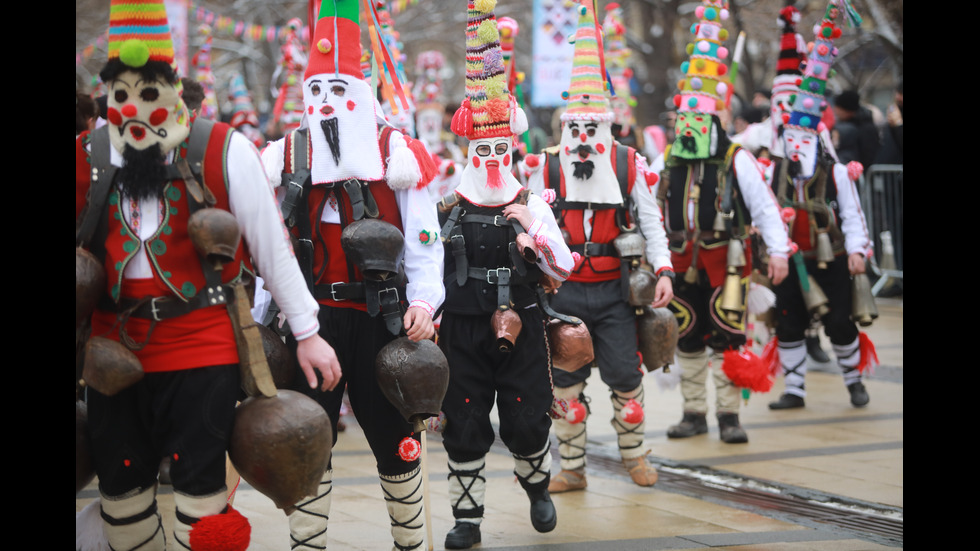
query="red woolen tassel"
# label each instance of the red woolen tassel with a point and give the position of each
(229, 531)
(462, 124)
(770, 356)
(428, 169)
(747, 370)
(869, 356)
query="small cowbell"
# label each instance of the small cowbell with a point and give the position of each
(863, 308)
(825, 251)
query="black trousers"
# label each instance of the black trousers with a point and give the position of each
(186, 415)
(357, 338)
(792, 316)
(699, 318)
(480, 375)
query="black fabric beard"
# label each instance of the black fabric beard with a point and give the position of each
(688, 143)
(144, 172)
(583, 169)
(331, 131)
(794, 169)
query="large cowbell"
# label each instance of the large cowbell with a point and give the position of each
(414, 376)
(375, 247)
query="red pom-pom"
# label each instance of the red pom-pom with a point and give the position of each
(747, 370)
(229, 531)
(854, 170)
(427, 167)
(770, 356)
(677, 101)
(532, 161)
(764, 162)
(652, 179)
(576, 412)
(787, 214)
(722, 69)
(632, 412)
(409, 449)
(785, 118)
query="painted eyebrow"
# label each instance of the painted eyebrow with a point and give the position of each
(337, 80)
(592, 125)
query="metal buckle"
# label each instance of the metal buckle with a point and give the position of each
(154, 311)
(585, 249)
(333, 291)
(497, 273)
(388, 290)
(500, 223)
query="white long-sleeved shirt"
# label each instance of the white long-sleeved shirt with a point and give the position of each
(252, 202)
(423, 260)
(758, 199)
(650, 217)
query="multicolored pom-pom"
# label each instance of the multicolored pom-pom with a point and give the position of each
(324, 46)
(576, 412)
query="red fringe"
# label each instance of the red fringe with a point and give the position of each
(428, 169)
(228, 531)
(869, 356)
(747, 370)
(770, 356)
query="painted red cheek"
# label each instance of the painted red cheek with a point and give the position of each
(351, 105)
(129, 110)
(158, 116)
(704, 129)
(476, 162)
(506, 160)
(114, 117)
(600, 148)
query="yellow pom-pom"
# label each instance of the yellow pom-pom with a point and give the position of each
(495, 86)
(488, 32)
(324, 46)
(485, 6)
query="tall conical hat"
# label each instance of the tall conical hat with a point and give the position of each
(586, 94)
(704, 88)
(489, 110)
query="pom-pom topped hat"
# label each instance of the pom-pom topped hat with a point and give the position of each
(243, 111)
(704, 88)
(428, 90)
(586, 95)
(617, 63)
(489, 110)
(809, 102)
(139, 32)
(792, 54)
(205, 76)
(336, 44)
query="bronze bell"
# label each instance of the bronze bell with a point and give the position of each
(110, 367)
(570, 345)
(732, 300)
(643, 286)
(825, 251)
(657, 331)
(815, 299)
(719, 226)
(90, 282)
(506, 326)
(629, 245)
(84, 467)
(736, 253)
(863, 307)
(215, 234)
(414, 376)
(281, 445)
(375, 247)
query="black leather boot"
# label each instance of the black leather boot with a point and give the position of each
(859, 394)
(544, 518)
(787, 401)
(463, 536)
(730, 430)
(691, 424)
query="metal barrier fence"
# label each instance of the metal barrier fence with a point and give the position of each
(882, 199)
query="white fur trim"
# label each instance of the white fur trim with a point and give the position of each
(668, 381)
(273, 161)
(403, 168)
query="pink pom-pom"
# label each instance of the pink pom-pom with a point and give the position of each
(532, 162)
(576, 412)
(409, 449)
(576, 257)
(722, 52)
(549, 195)
(854, 170)
(632, 412)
